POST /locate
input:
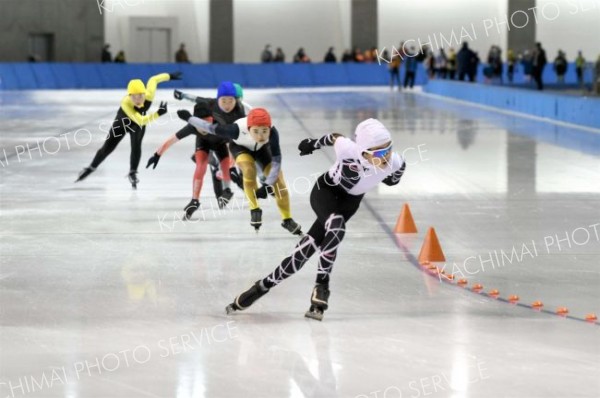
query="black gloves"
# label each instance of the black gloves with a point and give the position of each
(178, 94)
(236, 177)
(307, 146)
(162, 109)
(263, 191)
(184, 114)
(175, 76)
(153, 160)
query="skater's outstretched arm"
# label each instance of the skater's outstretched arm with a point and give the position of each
(202, 126)
(394, 178)
(153, 82)
(231, 131)
(161, 150)
(308, 145)
(167, 144)
(180, 95)
(135, 116)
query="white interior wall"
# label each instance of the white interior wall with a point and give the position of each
(429, 20)
(318, 24)
(315, 25)
(569, 25)
(192, 17)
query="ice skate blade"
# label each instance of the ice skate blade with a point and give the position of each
(229, 309)
(314, 315)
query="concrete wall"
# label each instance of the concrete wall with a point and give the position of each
(77, 27)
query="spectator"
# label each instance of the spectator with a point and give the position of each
(301, 57)
(267, 55)
(441, 64)
(527, 62)
(560, 66)
(181, 55)
(394, 67)
(430, 62)
(473, 66)
(370, 55)
(106, 55)
(279, 55)
(511, 59)
(411, 63)
(579, 65)
(358, 55)
(384, 55)
(451, 64)
(464, 59)
(347, 56)
(494, 68)
(120, 58)
(597, 77)
(330, 56)
(539, 62)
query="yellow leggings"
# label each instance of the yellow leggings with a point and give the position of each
(247, 164)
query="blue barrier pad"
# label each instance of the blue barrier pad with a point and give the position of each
(113, 75)
(64, 75)
(110, 75)
(88, 75)
(330, 75)
(367, 74)
(44, 76)
(577, 110)
(230, 72)
(25, 76)
(261, 75)
(8, 77)
(200, 76)
(295, 75)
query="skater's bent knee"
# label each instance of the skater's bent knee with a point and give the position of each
(335, 221)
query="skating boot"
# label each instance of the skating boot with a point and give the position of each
(133, 179)
(190, 209)
(318, 302)
(225, 198)
(256, 219)
(84, 173)
(292, 226)
(247, 298)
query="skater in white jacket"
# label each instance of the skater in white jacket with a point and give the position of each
(360, 166)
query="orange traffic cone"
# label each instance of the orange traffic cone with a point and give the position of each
(431, 249)
(405, 223)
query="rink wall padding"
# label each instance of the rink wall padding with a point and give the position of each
(573, 109)
(35, 76)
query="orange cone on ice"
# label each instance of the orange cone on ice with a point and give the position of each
(431, 250)
(405, 223)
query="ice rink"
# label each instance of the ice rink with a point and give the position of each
(105, 293)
